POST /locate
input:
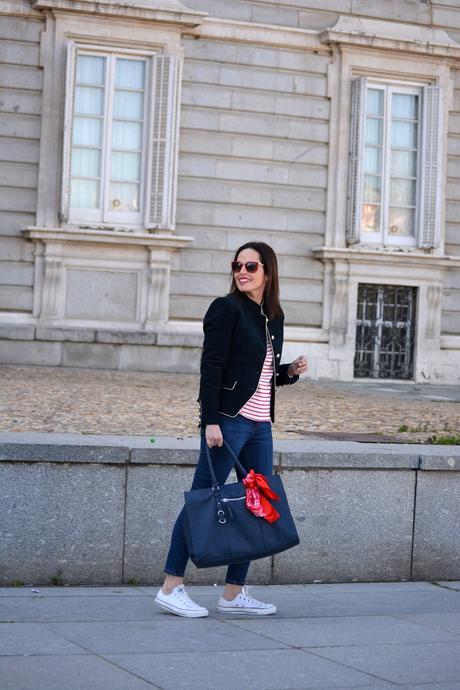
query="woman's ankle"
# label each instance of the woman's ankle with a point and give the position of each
(171, 582)
(231, 591)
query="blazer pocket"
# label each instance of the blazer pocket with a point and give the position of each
(230, 388)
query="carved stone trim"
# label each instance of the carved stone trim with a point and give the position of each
(166, 11)
(94, 279)
(346, 268)
(397, 258)
(107, 237)
(394, 36)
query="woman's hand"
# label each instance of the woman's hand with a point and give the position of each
(213, 435)
(298, 366)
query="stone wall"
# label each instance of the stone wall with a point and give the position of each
(20, 115)
(86, 512)
(253, 165)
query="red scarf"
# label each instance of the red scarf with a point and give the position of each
(257, 493)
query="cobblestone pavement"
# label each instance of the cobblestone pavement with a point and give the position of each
(154, 404)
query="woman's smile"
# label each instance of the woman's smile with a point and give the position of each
(256, 281)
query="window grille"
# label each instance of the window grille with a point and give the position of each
(385, 332)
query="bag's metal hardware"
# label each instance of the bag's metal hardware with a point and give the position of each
(240, 498)
(221, 513)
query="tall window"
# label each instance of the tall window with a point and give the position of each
(107, 138)
(393, 195)
(121, 139)
(390, 165)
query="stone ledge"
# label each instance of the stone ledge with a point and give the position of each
(24, 452)
(126, 337)
(75, 335)
(167, 11)
(13, 332)
(289, 455)
(448, 462)
(163, 456)
(373, 459)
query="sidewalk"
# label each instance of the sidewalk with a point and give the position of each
(360, 635)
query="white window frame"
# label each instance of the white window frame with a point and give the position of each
(154, 177)
(429, 147)
(383, 236)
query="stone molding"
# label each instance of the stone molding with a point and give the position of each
(165, 11)
(388, 256)
(137, 298)
(256, 33)
(393, 36)
(345, 268)
(68, 234)
(354, 31)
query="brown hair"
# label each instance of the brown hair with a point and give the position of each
(272, 306)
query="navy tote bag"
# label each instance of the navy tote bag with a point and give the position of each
(219, 529)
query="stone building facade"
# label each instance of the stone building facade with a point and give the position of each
(142, 141)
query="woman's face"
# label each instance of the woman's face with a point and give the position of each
(253, 284)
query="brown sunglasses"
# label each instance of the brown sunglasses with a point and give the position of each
(251, 266)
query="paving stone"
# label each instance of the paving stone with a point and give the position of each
(388, 603)
(347, 630)
(47, 673)
(407, 627)
(24, 639)
(164, 634)
(277, 669)
(43, 609)
(402, 663)
(439, 621)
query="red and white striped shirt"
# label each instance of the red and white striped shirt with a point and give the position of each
(258, 406)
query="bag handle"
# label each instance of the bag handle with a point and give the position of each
(236, 463)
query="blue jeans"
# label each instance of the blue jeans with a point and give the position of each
(252, 443)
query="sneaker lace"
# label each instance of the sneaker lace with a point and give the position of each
(184, 597)
(246, 595)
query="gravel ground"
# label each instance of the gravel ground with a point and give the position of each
(91, 401)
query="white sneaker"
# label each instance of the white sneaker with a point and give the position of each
(244, 603)
(179, 602)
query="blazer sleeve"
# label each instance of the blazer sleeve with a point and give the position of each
(218, 326)
(282, 378)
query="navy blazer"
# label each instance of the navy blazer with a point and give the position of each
(234, 348)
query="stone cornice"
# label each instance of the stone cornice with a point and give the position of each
(164, 11)
(262, 34)
(161, 241)
(394, 36)
(365, 255)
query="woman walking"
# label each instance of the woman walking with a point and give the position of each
(240, 368)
